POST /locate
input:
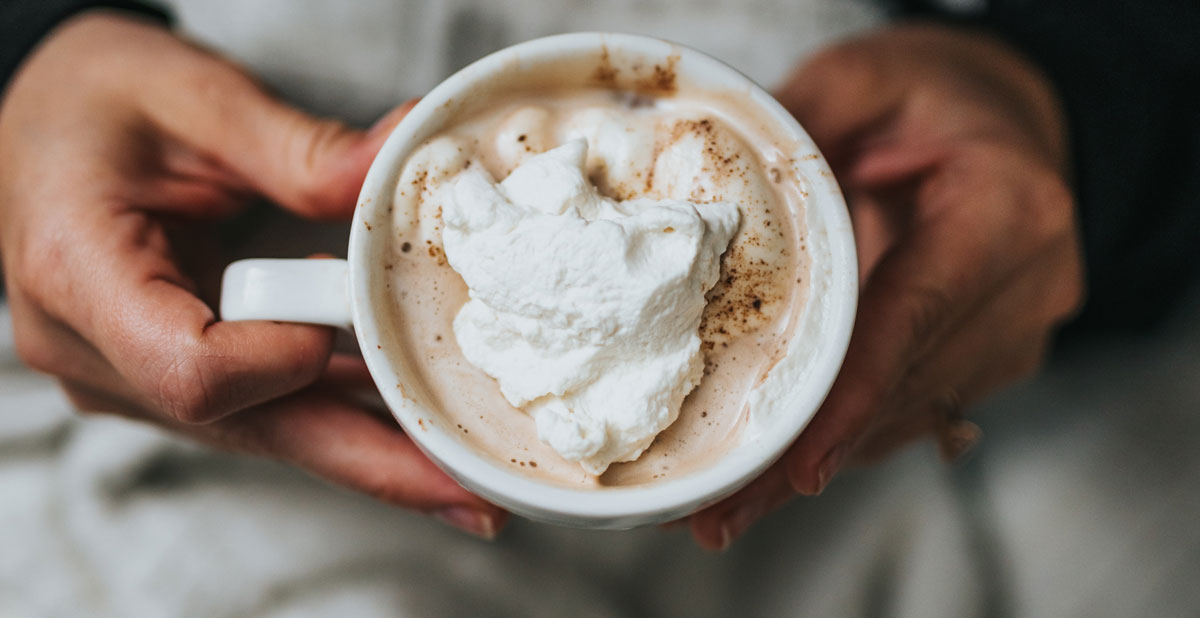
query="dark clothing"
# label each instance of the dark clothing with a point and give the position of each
(1123, 71)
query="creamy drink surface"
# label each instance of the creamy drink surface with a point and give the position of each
(750, 312)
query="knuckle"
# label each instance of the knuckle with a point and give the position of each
(184, 392)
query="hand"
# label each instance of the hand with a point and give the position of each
(117, 141)
(952, 154)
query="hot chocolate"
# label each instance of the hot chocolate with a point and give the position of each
(699, 147)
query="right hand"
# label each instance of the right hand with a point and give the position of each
(117, 140)
(952, 150)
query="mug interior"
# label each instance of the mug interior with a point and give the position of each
(780, 407)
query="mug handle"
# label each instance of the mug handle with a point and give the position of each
(312, 291)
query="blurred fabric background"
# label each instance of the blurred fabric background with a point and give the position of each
(1082, 499)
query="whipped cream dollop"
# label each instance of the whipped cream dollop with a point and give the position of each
(584, 309)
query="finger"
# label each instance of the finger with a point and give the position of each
(878, 224)
(1004, 342)
(92, 383)
(312, 166)
(178, 178)
(349, 374)
(121, 291)
(337, 441)
(941, 272)
(841, 95)
(333, 439)
(349, 371)
(198, 369)
(890, 163)
(99, 388)
(716, 527)
(942, 418)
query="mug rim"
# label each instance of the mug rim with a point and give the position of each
(619, 506)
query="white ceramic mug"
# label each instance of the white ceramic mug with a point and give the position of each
(351, 292)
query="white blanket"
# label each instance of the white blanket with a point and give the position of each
(104, 517)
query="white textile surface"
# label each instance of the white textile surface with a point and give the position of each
(104, 517)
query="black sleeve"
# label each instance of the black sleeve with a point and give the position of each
(1127, 74)
(24, 22)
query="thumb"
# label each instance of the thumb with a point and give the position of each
(311, 166)
(840, 96)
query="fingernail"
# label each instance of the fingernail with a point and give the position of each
(738, 522)
(829, 467)
(469, 520)
(959, 438)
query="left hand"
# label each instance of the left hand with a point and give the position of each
(120, 144)
(951, 149)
